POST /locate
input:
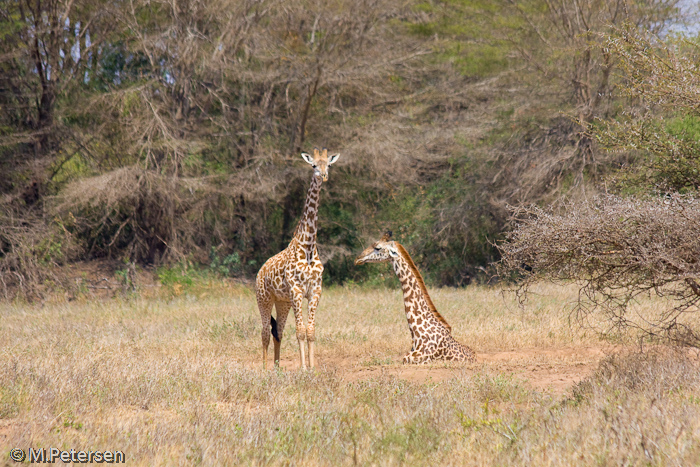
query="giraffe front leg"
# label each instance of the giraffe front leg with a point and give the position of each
(422, 355)
(311, 328)
(297, 302)
(412, 357)
(415, 357)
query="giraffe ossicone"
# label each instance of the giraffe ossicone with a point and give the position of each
(295, 273)
(430, 333)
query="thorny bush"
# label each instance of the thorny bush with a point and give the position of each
(616, 249)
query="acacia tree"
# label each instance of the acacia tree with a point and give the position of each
(51, 51)
(617, 250)
(661, 124)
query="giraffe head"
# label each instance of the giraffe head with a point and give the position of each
(380, 252)
(388, 250)
(320, 161)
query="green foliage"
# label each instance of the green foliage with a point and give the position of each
(476, 61)
(10, 27)
(230, 265)
(185, 278)
(181, 274)
(423, 219)
(338, 229)
(668, 154)
(52, 251)
(464, 36)
(72, 167)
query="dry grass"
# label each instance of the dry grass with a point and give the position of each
(176, 380)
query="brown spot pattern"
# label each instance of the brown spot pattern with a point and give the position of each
(295, 273)
(431, 336)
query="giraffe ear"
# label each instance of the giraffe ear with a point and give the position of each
(308, 158)
(393, 252)
(333, 158)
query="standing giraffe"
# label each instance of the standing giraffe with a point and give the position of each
(295, 273)
(430, 334)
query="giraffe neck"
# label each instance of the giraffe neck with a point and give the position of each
(416, 300)
(305, 233)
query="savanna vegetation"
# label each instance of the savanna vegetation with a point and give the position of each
(508, 144)
(174, 379)
(162, 133)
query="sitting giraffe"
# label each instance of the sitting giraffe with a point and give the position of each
(430, 333)
(295, 273)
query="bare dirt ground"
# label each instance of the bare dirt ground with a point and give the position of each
(533, 345)
(553, 371)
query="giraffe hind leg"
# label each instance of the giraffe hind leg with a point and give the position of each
(266, 318)
(282, 309)
(468, 354)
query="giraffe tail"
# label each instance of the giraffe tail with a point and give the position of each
(273, 325)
